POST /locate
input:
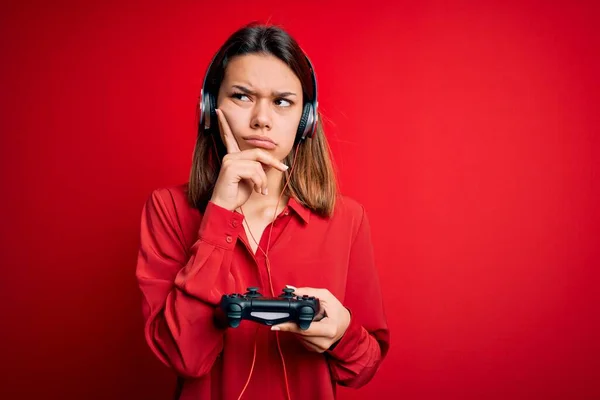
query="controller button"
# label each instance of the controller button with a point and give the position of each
(235, 308)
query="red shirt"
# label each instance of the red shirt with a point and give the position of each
(187, 261)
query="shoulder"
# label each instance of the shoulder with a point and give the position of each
(174, 193)
(169, 213)
(347, 207)
(172, 200)
(348, 215)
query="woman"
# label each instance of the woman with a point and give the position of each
(261, 209)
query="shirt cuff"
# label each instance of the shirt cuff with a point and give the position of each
(347, 345)
(220, 226)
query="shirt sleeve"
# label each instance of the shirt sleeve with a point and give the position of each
(182, 287)
(357, 356)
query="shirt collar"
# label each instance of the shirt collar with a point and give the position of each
(302, 211)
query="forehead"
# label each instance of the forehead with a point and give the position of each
(261, 71)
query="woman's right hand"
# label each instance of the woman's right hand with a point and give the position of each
(241, 171)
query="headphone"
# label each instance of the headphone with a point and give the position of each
(208, 104)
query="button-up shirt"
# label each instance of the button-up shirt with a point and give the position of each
(188, 260)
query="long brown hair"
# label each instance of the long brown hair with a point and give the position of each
(313, 182)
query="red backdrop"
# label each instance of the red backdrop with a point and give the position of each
(469, 132)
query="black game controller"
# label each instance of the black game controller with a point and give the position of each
(269, 310)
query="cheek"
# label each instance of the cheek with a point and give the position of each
(237, 118)
(288, 129)
(286, 143)
(290, 122)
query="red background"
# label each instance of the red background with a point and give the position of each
(469, 132)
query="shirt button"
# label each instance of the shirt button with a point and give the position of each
(234, 223)
(228, 239)
(286, 212)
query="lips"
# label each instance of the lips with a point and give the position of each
(261, 142)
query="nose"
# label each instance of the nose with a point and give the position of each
(261, 117)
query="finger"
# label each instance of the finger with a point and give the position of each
(259, 183)
(321, 314)
(262, 157)
(324, 328)
(286, 327)
(261, 172)
(308, 291)
(241, 161)
(245, 170)
(228, 138)
(252, 171)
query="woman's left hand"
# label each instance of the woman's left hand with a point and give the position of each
(329, 325)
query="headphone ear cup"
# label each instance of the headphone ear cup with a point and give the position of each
(304, 120)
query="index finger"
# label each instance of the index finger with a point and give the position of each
(314, 292)
(228, 138)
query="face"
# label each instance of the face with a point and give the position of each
(261, 98)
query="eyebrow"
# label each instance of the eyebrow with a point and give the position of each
(252, 92)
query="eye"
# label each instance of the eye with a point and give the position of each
(284, 103)
(240, 96)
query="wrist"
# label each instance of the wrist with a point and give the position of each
(223, 204)
(343, 327)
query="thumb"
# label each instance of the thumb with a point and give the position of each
(286, 327)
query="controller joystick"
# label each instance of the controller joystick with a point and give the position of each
(252, 292)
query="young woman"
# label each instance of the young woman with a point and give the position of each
(261, 209)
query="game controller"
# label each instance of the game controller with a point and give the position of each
(269, 310)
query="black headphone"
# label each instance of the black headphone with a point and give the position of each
(308, 120)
